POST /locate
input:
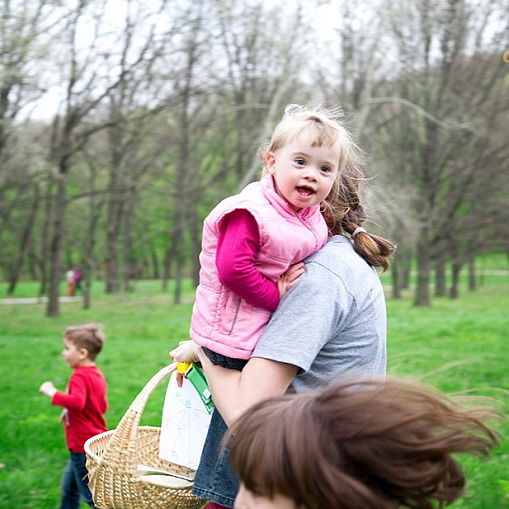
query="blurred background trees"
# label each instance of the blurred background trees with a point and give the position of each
(123, 122)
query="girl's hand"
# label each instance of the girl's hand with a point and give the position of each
(48, 389)
(185, 352)
(290, 278)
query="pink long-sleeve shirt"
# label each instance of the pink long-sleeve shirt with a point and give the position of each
(238, 246)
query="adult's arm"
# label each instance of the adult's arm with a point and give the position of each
(235, 391)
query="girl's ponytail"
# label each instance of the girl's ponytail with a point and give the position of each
(374, 249)
(344, 213)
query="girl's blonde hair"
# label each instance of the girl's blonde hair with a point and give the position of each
(369, 444)
(88, 336)
(342, 209)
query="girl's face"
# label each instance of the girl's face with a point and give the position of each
(303, 173)
(248, 500)
(72, 355)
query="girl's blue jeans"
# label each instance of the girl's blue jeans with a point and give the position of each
(215, 480)
(75, 483)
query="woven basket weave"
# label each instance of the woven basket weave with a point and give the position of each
(113, 458)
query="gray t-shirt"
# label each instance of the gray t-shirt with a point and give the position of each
(333, 323)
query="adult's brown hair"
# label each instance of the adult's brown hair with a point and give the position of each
(360, 445)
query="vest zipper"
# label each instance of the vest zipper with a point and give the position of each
(235, 316)
(307, 224)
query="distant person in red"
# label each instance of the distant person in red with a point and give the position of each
(69, 277)
(78, 277)
(84, 404)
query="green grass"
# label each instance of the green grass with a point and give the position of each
(461, 346)
(458, 345)
(140, 329)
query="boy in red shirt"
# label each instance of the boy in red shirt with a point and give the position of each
(84, 404)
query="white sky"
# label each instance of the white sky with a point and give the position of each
(324, 16)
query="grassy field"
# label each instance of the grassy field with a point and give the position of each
(456, 345)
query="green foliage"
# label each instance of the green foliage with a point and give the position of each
(456, 345)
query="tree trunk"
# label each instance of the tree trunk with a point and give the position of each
(90, 241)
(472, 276)
(87, 285)
(45, 237)
(155, 263)
(88, 265)
(195, 230)
(168, 259)
(114, 208)
(456, 269)
(53, 308)
(422, 298)
(396, 289)
(6, 213)
(440, 284)
(178, 240)
(406, 266)
(111, 264)
(128, 255)
(428, 182)
(33, 262)
(24, 243)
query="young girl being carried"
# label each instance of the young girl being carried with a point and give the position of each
(254, 242)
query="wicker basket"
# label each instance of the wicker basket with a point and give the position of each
(113, 458)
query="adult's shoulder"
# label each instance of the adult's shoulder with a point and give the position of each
(338, 262)
(338, 254)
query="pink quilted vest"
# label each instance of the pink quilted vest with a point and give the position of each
(221, 320)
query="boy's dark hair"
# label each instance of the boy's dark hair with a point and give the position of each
(88, 336)
(368, 444)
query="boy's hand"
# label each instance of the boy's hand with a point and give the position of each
(290, 278)
(185, 352)
(48, 389)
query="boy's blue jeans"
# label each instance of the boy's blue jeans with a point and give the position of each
(75, 483)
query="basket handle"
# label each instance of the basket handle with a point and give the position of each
(123, 442)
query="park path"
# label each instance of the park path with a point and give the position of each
(38, 300)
